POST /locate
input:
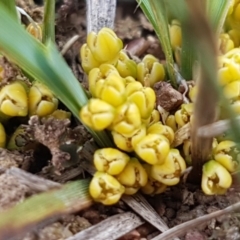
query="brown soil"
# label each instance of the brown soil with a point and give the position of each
(177, 205)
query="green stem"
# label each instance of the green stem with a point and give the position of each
(49, 21)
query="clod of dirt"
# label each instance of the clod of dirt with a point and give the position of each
(195, 235)
(8, 71)
(15, 159)
(12, 192)
(167, 97)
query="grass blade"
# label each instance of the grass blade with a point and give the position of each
(156, 13)
(11, 8)
(45, 64)
(38, 209)
(217, 11)
(179, 11)
(49, 21)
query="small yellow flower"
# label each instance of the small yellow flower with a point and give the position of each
(133, 177)
(150, 71)
(97, 114)
(99, 75)
(127, 143)
(154, 118)
(87, 59)
(125, 66)
(153, 186)
(170, 171)
(228, 72)
(61, 114)
(192, 93)
(227, 154)
(128, 80)
(127, 119)
(153, 148)
(41, 100)
(215, 179)
(225, 43)
(2, 136)
(235, 36)
(104, 45)
(175, 32)
(187, 144)
(232, 92)
(171, 122)
(183, 115)
(111, 90)
(110, 160)
(105, 188)
(143, 97)
(159, 128)
(35, 30)
(14, 100)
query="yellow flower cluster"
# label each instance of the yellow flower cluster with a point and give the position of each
(105, 47)
(17, 99)
(123, 103)
(118, 174)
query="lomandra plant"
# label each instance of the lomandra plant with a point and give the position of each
(137, 142)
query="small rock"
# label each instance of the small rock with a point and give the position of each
(167, 97)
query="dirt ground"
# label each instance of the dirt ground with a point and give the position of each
(177, 205)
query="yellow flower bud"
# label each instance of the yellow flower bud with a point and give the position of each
(127, 143)
(187, 151)
(105, 188)
(2, 136)
(41, 100)
(110, 160)
(227, 154)
(153, 148)
(215, 179)
(13, 100)
(236, 11)
(127, 119)
(170, 171)
(229, 72)
(159, 128)
(150, 71)
(87, 59)
(133, 176)
(111, 90)
(235, 36)
(99, 75)
(35, 30)
(125, 66)
(105, 46)
(61, 114)
(232, 92)
(175, 32)
(154, 118)
(225, 43)
(192, 93)
(183, 115)
(143, 97)
(19, 140)
(128, 80)
(97, 114)
(171, 122)
(153, 186)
